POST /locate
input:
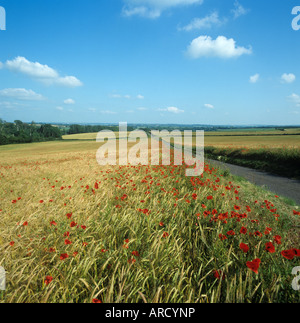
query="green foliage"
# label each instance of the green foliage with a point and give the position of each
(281, 161)
(19, 132)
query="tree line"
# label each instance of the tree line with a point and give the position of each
(18, 132)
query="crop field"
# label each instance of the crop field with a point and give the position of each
(74, 231)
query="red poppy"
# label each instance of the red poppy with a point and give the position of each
(165, 234)
(210, 197)
(243, 230)
(73, 224)
(290, 254)
(254, 265)
(96, 301)
(244, 247)
(135, 253)
(64, 256)
(231, 233)
(270, 247)
(48, 280)
(218, 274)
(277, 240)
(67, 242)
(12, 243)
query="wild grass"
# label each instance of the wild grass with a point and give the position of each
(282, 161)
(136, 233)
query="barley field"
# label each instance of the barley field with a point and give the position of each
(73, 231)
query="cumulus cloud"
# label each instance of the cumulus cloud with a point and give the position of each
(172, 110)
(254, 78)
(209, 106)
(239, 10)
(153, 8)
(288, 78)
(21, 94)
(205, 46)
(69, 101)
(41, 73)
(204, 23)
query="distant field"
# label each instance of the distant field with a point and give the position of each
(237, 139)
(274, 141)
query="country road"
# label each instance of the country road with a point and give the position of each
(279, 185)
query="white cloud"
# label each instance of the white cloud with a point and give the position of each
(142, 109)
(59, 108)
(295, 98)
(239, 10)
(153, 8)
(288, 78)
(209, 106)
(108, 112)
(204, 23)
(21, 94)
(10, 105)
(254, 78)
(69, 101)
(127, 96)
(172, 110)
(205, 46)
(41, 73)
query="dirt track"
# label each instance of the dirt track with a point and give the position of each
(279, 185)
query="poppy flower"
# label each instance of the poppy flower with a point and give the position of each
(210, 197)
(254, 265)
(277, 240)
(290, 254)
(73, 224)
(67, 242)
(270, 247)
(231, 233)
(12, 243)
(64, 256)
(135, 253)
(48, 280)
(165, 234)
(243, 230)
(218, 274)
(96, 301)
(244, 247)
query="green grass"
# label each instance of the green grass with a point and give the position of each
(281, 161)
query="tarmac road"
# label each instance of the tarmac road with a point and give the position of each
(279, 185)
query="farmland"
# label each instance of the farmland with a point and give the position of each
(74, 231)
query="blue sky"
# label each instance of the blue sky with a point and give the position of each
(150, 61)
